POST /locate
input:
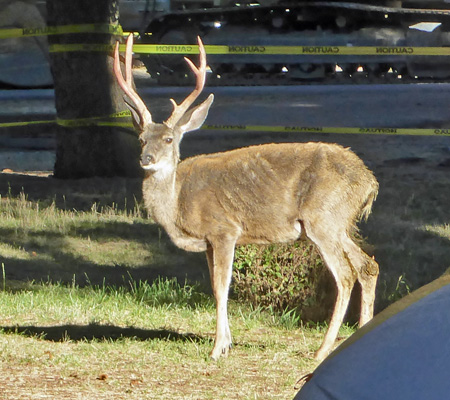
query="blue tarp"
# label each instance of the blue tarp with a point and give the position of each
(404, 353)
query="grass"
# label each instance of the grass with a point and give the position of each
(75, 322)
(409, 229)
(78, 320)
(100, 244)
(144, 341)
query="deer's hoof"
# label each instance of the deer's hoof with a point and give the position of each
(220, 351)
(320, 354)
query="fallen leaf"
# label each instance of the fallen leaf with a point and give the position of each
(136, 382)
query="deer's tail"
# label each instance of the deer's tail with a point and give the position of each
(370, 198)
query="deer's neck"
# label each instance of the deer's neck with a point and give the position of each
(161, 201)
(161, 197)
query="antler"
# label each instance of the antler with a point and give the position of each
(200, 73)
(126, 84)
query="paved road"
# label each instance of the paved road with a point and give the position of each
(405, 106)
(396, 106)
(426, 105)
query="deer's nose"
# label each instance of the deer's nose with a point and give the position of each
(147, 159)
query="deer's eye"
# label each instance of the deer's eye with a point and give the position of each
(168, 140)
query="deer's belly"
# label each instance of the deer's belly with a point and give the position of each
(189, 243)
(272, 234)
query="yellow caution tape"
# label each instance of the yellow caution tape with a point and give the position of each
(61, 30)
(211, 49)
(12, 124)
(98, 121)
(104, 121)
(261, 50)
(293, 50)
(321, 129)
(135, 34)
(85, 47)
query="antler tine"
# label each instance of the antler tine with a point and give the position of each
(200, 73)
(126, 84)
(129, 60)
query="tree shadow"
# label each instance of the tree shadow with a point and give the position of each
(49, 256)
(97, 332)
(70, 194)
(94, 332)
(414, 189)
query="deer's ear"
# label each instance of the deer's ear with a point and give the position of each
(193, 119)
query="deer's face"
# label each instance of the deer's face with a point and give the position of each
(159, 148)
(160, 142)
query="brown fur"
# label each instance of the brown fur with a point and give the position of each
(269, 194)
(260, 191)
(261, 194)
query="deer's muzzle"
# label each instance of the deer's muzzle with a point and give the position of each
(147, 159)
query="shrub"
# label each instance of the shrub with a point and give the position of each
(284, 277)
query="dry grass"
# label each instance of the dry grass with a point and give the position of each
(100, 245)
(117, 337)
(409, 227)
(122, 348)
(102, 343)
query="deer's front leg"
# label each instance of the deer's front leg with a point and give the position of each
(220, 254)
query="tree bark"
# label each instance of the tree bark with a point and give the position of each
(85, 87)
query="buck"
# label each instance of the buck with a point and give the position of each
(270, 193)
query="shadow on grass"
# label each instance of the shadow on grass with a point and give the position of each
(414, 192)
(48, 256)
(90, 252)
(79, 194)
(94, 332)
(100, 332)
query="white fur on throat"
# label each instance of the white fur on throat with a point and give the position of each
(161, 170)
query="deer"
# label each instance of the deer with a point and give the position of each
(261, 194)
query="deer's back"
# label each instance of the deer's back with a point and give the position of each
(262, 190)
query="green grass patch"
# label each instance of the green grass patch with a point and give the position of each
(75, 322)
(145, 341)
(285, 278)
(44, 242)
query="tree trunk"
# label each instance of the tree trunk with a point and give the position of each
(85, 87)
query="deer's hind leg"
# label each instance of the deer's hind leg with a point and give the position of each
(367, 271)
(329, 245)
